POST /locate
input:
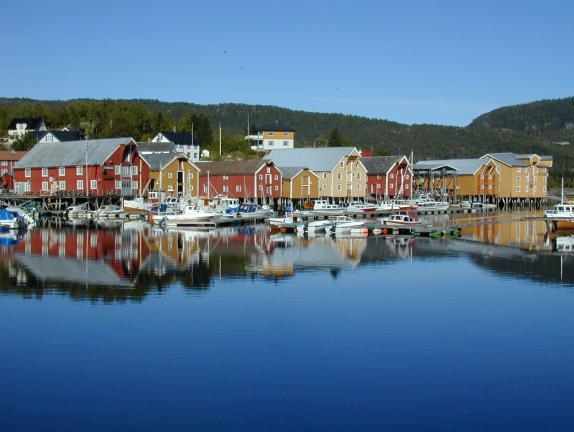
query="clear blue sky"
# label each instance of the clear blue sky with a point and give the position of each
(410, 61)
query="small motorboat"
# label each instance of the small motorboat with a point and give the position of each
(428, 204)
(314, 226)
(11, 219)
(388, 206)
(253, 211)
(345, 223)
(190, 216)
(106, 211)
(324, 208)
(136, 205)
(282, 222)
(400, 220)
(78, 211)
(360, 207)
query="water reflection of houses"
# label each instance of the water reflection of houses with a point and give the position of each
(86, 256)
(289, 254)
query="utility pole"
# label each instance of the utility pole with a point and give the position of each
(219, 138)
(86, 187)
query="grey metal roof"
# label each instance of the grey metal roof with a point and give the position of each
(290, 172)
(462, 166)
(316, 159)
(506, 158)
(159, 160)
(529, 155)
(230, 167)
(155, 147)
(70, 153)
(380, 164)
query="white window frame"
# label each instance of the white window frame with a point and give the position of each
(61, 171)
(62, 185)
(44, 172)
(93, 184)
(80, 184)
(79, 169)
(27, 172)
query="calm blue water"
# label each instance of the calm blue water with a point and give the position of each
(244, 331)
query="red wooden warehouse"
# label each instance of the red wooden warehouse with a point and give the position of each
(388, 176)
(94, 167)
(7, 161)
(258, 180)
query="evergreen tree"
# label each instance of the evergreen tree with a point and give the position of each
(335, 138)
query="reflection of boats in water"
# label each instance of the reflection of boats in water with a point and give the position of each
(562, 215)
(565, 244)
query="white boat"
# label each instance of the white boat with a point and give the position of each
(136, 205)
(29, 220)
(284, 222)
(565, 244)
(105, 211)
(405, 204)
(190, 216)
(360, 207)
(388, 206)
(400, 220)
(78, 211)
(325, 208)
(253, 211)
(225, 204)
(314, 226)
(11, 219)
(562, 214)
(344, 223)
(429, 204)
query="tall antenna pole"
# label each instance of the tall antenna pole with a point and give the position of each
(219, 138)
(86, 187)
(248, 131)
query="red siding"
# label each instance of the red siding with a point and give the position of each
(266, 183)
(102, 177)
(398, 175)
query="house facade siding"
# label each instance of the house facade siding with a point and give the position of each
(124, 173)
(263, 185)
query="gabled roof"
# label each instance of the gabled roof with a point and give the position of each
(461, 166)
(316, 159)
(180, 138)
(291, 172)
(31, 122)
(157, 161)
(8, 155)
(529, 155)
(275, 127)
(506, 158)
(155, 147)
(62, 135)
(380, 164)
(70, 153)
(231, 167)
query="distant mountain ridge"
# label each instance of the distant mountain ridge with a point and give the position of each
(534, 118)
(532, 127)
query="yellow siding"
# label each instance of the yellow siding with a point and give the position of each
(279, 135)
(169, 178)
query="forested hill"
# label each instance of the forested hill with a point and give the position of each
(499, 130)
(533, 118)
